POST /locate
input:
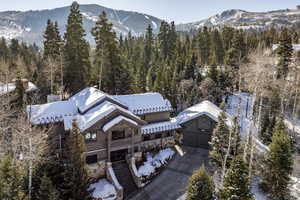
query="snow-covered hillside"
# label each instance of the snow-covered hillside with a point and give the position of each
(29, 25)
(248, 20)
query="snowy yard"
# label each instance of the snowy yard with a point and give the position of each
(103, 190)
(153, 163)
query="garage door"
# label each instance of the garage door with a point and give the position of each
(197, 138)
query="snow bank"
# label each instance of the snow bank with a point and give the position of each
(103, 190)
(152, 163)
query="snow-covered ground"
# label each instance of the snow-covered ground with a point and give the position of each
(154, 162)
(103, 190)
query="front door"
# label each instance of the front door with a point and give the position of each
(119, 155)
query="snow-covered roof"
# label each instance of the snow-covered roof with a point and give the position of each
(87, 98)
(144, 103)
(203, 108)
(161, 126)
(116, 121)
(96, 114)
(10, 87)
(296, 47)
(50, 112)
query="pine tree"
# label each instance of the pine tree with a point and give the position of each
(46, 189)
(76, 176)
(204, 46)
(217, 47)
(20, 91)
(201, 186)
(285, 52)
(10, 179)
(236, 184)
(278, 165)
(115, 78)
(163, 39)
(148, 49)
(52, 41)
(219, 143)
(76, 52)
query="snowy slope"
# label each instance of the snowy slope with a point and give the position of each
(29, 25)
(248, 20)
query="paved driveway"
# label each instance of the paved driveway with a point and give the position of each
(172, 181)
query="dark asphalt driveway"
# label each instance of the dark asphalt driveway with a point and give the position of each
(172, 181)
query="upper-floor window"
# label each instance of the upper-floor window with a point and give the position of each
(91, 136)
(158, 135)
(91, 159)
(117, 135)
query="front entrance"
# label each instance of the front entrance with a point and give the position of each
(119, 155)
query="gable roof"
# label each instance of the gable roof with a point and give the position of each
(50, 112)
(116, 121)
(96, 114)
(204, 108)
(144, 103)
(89, 97)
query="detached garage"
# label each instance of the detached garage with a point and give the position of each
(198, 123)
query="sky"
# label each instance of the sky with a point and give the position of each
(180, 11)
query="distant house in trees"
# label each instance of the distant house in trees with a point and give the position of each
(7, 88)
(296, 47)
(121, 128)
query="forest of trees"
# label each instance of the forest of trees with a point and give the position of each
(185, 67)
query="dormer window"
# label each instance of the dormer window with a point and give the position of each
(90, 136)
(117, 135)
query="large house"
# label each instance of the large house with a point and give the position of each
(122, 127)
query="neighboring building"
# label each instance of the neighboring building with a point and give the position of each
(296, 47)
(122, 127)
(6, 88)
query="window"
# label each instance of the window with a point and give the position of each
(147, 137)
(158, 135)
(136, 149)
(91, 136)
(117, 135)
(91, 159)
(168, 134)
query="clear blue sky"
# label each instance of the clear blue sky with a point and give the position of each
(171, 10)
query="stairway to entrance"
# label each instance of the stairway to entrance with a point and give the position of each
(124, 177)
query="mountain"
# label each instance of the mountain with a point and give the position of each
(247, 20)
(29, 25)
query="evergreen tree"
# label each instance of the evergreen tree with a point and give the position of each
(20, 91)
(76, 52)
(10, 179)
(204, 46)
(219, 143)
(201, 186)
(46, 189)
(148, 49)
(116, 79)
(76, 176)
(236, 184)
(163, 39)
(217, 47)
(285, 52)
(278, 165)
(52, 41)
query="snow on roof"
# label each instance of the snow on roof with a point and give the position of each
(296, 47)
(10, 87)
(103, 190)
(87, 98)
(50, 112)
(203, 108)
(145, 103)
(7, 88)
(116, 121)
(161, 126)
(96, 114)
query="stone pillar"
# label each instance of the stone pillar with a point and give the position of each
(108, 145)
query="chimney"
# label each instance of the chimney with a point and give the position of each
(298, 7)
